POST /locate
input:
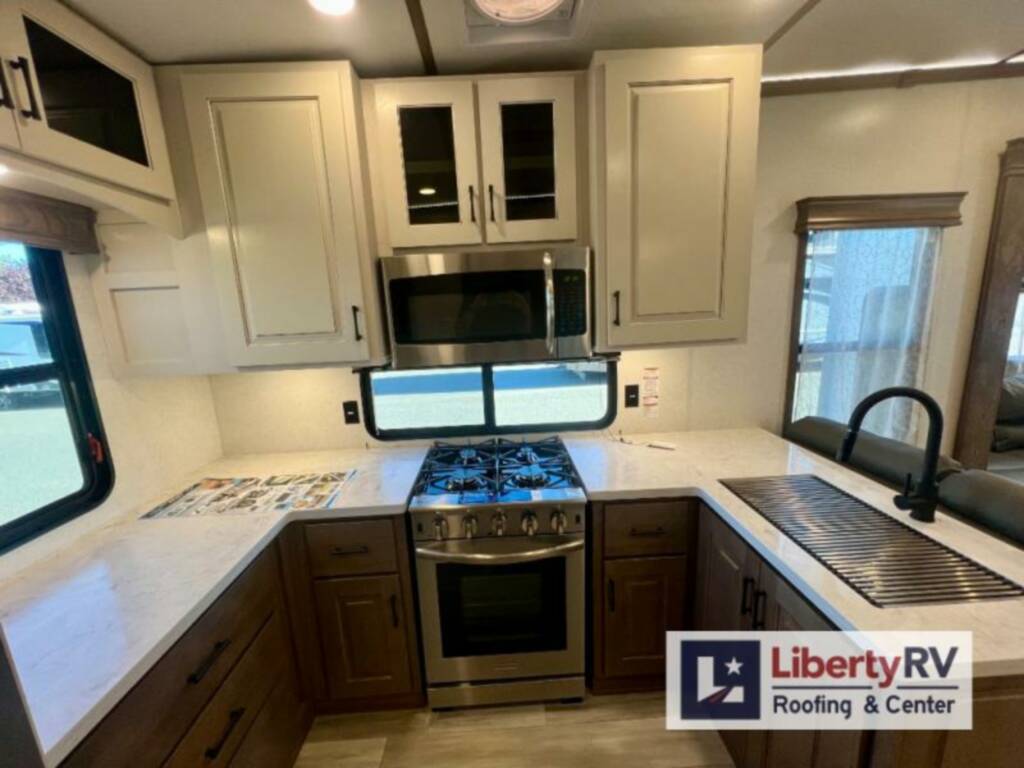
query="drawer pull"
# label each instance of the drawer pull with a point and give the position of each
(6, 99)
(394, 611)
(760, 603)
(745, 606)
(33, 112)
(650, 534)
(218, 648)
(611, 595)
(361, 549)
(233, 719)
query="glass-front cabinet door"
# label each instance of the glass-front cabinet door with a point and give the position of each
(428, 147)
(527, 141)
(81, 100)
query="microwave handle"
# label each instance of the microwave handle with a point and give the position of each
(549, 301)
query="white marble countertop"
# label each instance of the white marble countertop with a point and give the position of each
(614, 470)
(85, 624)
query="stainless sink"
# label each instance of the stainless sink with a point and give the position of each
(887, 562)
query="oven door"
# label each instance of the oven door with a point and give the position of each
(498, 609)
(505, 306)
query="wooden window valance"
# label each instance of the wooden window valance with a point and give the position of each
(936, 209)
(43, 221)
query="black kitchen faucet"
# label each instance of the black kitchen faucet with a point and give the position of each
(921, 499)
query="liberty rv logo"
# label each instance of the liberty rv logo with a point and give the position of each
(721, 680)
(819, 680)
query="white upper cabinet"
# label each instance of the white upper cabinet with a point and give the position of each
(675, 167)
(75, 99)
(272, 160)
(428, 143)
(528, 146)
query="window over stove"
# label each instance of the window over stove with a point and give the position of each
(489, 399)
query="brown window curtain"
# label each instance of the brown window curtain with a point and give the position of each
(37, 220)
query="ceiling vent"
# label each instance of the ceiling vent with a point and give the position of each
(502, 22)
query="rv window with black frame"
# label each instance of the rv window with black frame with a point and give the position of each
(55, 463)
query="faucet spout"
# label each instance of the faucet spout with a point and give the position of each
(921, 499)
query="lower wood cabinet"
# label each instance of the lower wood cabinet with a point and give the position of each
(350, 598)
(215, 697)
(363, 635)
(642, 559)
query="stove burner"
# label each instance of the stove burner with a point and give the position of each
(530, 476)
(527, 455)
(469, 456)
(464, 480)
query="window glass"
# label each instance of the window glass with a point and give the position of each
(863, 323)
(528, 149)
(428, 156)
(40, 463)
(1015, 353)
(489, 399)
(445, 397)
(558, 393)
(54, 463)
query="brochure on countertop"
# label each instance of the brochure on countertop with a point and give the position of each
(255, 495)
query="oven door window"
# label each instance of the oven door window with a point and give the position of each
(491, 610)
(473, 307)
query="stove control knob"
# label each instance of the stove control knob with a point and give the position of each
(440, 528)
(498, 521)
(529, 523)
(469, 526)
(558, 521)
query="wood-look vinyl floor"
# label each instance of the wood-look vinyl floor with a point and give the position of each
(604, 732)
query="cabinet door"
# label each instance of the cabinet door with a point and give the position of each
(645, 597)
(427, 142)
(680, 132)
(363, 635)
(82, 101)
(726, 577)
(528, 146)
(273, 169)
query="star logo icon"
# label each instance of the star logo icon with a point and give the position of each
(733, 666)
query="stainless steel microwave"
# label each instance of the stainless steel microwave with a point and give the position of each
(473, 307)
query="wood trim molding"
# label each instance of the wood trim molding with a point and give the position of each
(993, 323)
(939, 209)
(800, 86)
(419, 28)
(37, 220)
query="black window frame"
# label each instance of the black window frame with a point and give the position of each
(489, 427)
(71, 369)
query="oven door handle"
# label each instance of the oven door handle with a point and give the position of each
(549, 301)
(432, 552)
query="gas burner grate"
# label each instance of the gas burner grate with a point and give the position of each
(887, 562)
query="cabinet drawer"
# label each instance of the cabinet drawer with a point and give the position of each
(220, 729)
(639, 528)
(174, 691)
(351, 548)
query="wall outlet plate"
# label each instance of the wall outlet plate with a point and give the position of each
(351, 410)
(632, 395)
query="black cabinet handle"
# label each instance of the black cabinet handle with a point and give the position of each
(617, 295)
(647, 534)
(355, 322)
(611, 595)
(233, 719)
(472, 204)
(33, 111)
(360, 549)
(745, 606)
(490, 194)
(6, 99)
(218, 648)
(394, 611)
(760, 601)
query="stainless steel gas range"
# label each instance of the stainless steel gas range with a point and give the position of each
(499, 532)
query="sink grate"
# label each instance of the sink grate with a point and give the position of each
(887, 562)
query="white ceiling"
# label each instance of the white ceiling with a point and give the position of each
(377, 36)
(840, 35)
(608, 24)
(836, 35)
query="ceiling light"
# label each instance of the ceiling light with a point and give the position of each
(3, 169)
(517, 11)
(427, 191)
(333, 7)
